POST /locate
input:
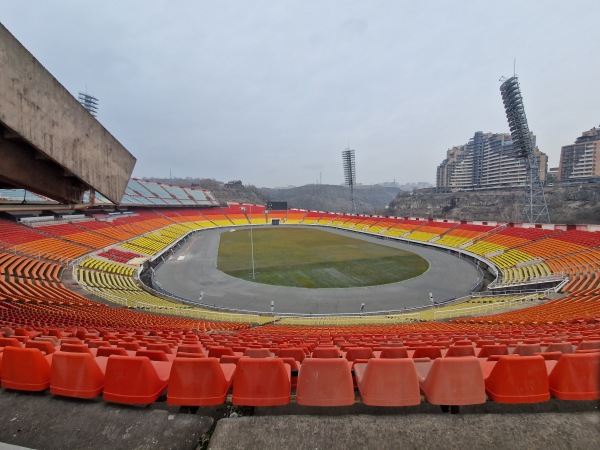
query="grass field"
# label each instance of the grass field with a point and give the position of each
(310, 258)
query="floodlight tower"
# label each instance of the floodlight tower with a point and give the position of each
(89, 102)
(534, 209)
(349, 173)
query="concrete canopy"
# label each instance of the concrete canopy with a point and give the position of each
(49, 143)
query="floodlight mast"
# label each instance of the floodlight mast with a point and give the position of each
(349, 173)
(535, 209)
(89, 102)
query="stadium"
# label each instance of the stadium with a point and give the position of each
(105, 343)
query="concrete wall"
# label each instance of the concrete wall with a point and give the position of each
(37, 111)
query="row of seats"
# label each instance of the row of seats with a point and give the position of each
(268, 381)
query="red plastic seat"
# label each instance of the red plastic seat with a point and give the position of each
(77, 375)
(108, 351)
(261, 382)
(165, 347)
(188, 348)
(394, 352)
(75, 348)
(460, 350)
(199, 382)
(153, 355)
(517, 379)
(230, 359)
(25, 369)
(135, 379)
(217, 351)
(428, 352)
(527, 349)
(45, 347)
(588, 345)
(325, 382)
(131, 346)
(258, 353)
(292, 352)
(490, 350)
(454, 382)
(388, 382)
(10, 342)
(576, 376)
(563, 347)
(354, 353)
(326, 352)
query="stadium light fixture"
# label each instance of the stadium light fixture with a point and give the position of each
(350, 173)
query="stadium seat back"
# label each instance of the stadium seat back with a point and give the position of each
(261, 382)
(199, 382)
(576, 376)
(454, 382)
(76, 374)
(134, 380)
(388, 382)
(25, 369)
(325, 382)
(393, 352)
(521, 379)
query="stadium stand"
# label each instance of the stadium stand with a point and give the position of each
(468, 360)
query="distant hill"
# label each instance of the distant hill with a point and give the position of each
(325, 197)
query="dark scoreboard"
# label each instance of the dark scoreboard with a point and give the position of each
(277, 206)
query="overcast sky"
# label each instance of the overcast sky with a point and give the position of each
(271, 92)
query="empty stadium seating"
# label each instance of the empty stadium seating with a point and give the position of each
(84, 349)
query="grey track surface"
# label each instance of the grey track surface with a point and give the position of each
(448, 276)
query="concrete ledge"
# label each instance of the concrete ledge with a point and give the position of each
(411, 431)
(46, 422)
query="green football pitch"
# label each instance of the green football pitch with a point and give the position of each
(312, 258)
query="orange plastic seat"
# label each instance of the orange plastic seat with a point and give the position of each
(388, 382)
(199, 382)
(517, 379)
(325, 382)
(394, 352)
(77, 374)
(454, 382)
(25, 369)
(135, 379)
(576, 376)
(261, 382)
(326, 352)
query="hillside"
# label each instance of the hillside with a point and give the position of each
(324, 197)
(574, 203)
